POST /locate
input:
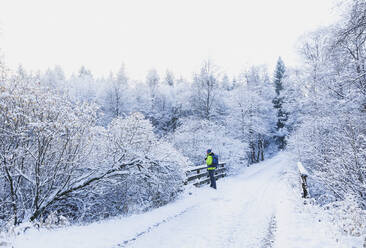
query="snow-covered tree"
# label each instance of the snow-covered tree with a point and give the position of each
(194, 137)
(53, 157)
(152, 172)
(279, 77)
(115, 97)
(205, 88)
(54, 78)
(4, 70)
(82, 86)
(251, 113)
(330, 108)
(169, 78)
(226, 84)
(44, 140)
(152, 80)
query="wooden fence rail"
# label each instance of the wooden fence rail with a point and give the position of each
(199, 175)
(303, 174)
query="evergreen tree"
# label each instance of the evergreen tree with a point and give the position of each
(279, 77)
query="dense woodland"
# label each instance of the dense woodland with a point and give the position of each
(90, 148)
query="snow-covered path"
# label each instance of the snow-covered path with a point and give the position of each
(236, 215)
(259, 208)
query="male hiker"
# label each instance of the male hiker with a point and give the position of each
(212, 162)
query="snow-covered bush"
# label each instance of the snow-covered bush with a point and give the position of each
(345, 218)
(53, 157)
(54, 220)
(150, 171)
(349, 218)
(333, 150)
(155, 168)
(194, 137)
(43, 143)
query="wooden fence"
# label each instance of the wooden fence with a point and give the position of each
(199, 175)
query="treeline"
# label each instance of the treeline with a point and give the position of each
(90, 148)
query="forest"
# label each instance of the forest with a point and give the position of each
(89, 148)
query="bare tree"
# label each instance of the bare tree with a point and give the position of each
(205, 86)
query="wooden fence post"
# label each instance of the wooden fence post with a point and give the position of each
(304, 186)
(303, 175)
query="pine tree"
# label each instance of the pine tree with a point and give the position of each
(279, 76)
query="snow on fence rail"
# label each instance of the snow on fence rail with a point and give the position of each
(303, 174)
(198, 175)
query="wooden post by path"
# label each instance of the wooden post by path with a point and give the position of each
(303, 175)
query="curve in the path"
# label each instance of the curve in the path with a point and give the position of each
(238, 214)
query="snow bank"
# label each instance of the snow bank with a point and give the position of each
(109, 233)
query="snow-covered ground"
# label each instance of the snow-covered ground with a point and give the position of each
(261, 207)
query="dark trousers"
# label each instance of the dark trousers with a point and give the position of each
(211, 173)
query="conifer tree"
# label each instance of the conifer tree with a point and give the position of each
(279, 76)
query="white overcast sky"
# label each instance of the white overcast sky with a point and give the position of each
(162, 34)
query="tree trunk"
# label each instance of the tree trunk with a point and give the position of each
(260, 154)
(13, 195)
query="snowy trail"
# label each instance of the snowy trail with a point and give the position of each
(237, 215)
(260, 208)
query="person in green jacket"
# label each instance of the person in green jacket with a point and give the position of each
(211, 167)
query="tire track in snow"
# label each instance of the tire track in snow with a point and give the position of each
(268, 241)
(245, 233)
(150, 228)
(266, 204)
